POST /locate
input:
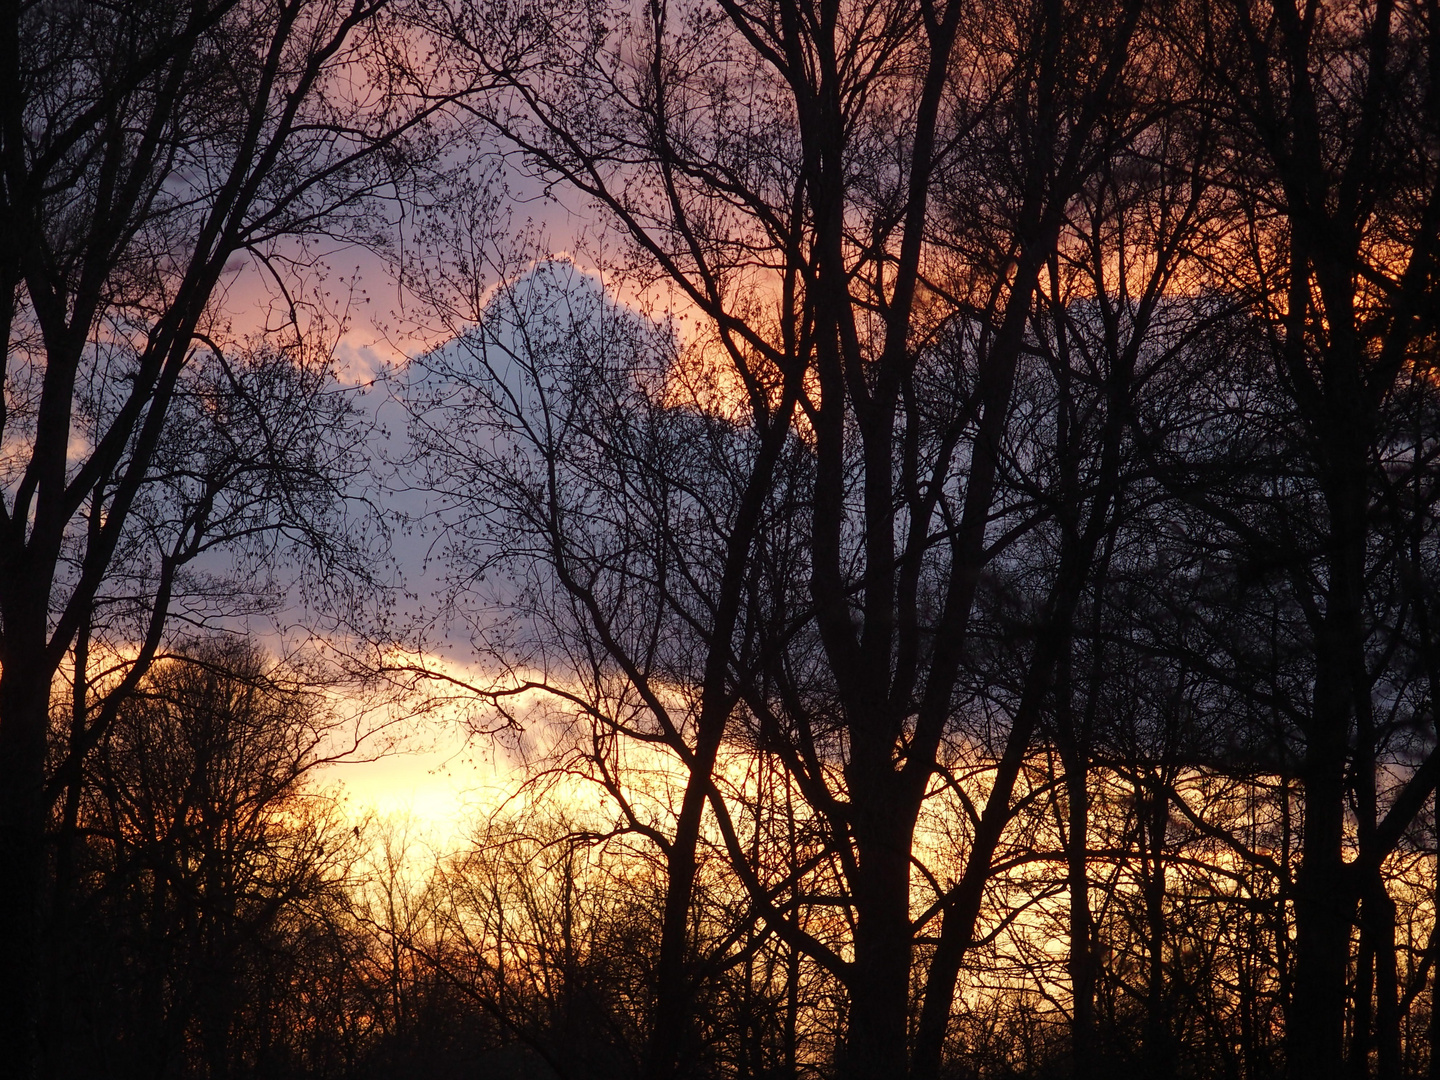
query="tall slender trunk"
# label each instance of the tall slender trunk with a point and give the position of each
(24, 715)
(1363, 996)
(671, 1021)
(1366, 809)
(1325, 892)
(1081, 961)
(1434, 1027)
(1387, 986)
(1315, 1022)
(1074, 742)
(1159, 1051)
(790, 1030)
(668, 1051)
(670, 1047)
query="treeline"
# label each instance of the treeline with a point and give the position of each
(225, 917)
(963, 564)
(218, 914)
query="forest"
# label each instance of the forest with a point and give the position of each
(934, 503)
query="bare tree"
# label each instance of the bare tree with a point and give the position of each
(1331, 120)
(627, 515)
(859, 201)
(143, 147)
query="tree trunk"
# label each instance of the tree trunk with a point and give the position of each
(1315, 1021)
(876, 1047)
(673, 1016)
(1364, 997)
(1081, 960)
(23, 723)
(1434, 1029)
(1387, 988)
(1154, 808)
(1325, 891)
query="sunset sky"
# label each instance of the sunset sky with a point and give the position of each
(440, 777)
(720, 539)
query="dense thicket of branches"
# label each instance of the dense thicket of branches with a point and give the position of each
(1102, 342)
(985, 625)
(161, 465)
